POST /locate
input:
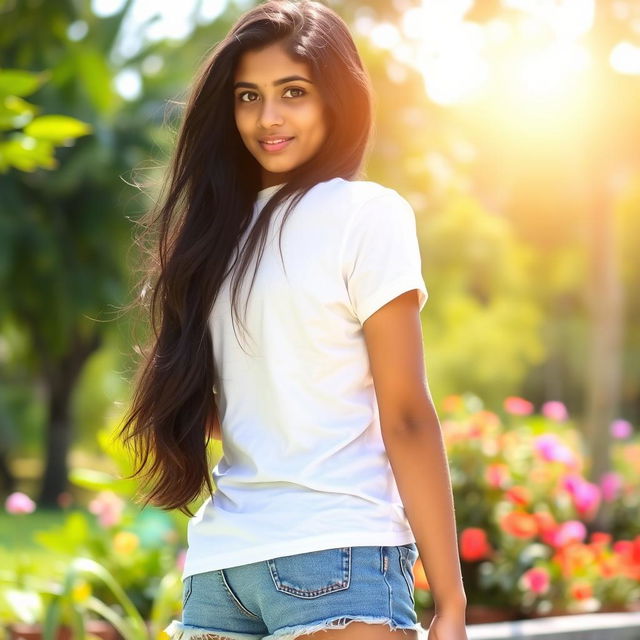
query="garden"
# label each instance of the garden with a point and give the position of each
(524, 509)
(511, 129)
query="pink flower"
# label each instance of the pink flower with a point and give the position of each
(552, 450)
(497, 474)
(586, 499)
(18, 502)
(518, 406)
(536, 580)
(571, 482)
(555, 410)
(108, 507)
(610, 483)
(570, 531)
(181, 557)
(621, 429)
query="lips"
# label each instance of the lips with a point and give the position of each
(274, 143)
(274, 140)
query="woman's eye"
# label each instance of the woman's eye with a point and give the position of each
(302, 91)
(245, 93)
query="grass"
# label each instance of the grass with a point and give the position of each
(16, 531)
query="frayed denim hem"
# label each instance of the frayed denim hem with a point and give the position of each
(179, 631)
(290, 633)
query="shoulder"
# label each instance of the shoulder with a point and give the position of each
(353, 191)
(354, 196)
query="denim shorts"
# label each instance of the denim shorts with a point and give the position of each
(286, 597)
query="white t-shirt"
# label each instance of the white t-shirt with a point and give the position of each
(304, 465)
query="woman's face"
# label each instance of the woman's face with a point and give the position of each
(275, 99)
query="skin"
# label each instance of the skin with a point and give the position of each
(413, 440)
(294, 108)
(393, 335)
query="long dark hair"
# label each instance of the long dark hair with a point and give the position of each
(197, 224)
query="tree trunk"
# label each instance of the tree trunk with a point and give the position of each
(7, 479)
(60, 382)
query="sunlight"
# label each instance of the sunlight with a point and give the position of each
(552, 70)
(625, 58)
(569, 19)
(447, 50)
(532, 58)
(453, 74)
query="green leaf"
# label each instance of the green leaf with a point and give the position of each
(27, 154)
(15, 112)
(123, 627)
(97, 80)
(14, 82)
(100, 480)
(52, 619)
(169, 591)
(69, 538)
(92, 568)
(57, 129)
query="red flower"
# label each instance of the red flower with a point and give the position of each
(628, 552)
(609, 566)
(518, 406)
(574, 557)
(600, 538)
(519, 495)
(581, 590)
(519, 524)
(546, 522)
(474, 545)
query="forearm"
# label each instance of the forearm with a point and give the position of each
(418, 459)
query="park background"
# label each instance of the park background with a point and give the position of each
(512, 128)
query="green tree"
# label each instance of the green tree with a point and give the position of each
(66, 231)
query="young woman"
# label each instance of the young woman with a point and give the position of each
(334, 474)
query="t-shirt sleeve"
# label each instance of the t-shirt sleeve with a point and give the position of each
(381, 256)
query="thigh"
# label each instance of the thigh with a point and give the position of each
(363, 631)
(346, 591)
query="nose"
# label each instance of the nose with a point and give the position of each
(270, 114)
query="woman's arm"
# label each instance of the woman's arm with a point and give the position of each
(414, 444)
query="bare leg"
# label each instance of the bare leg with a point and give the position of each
(362, 631)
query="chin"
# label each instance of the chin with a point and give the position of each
(278, 168)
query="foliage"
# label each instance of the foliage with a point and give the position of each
(125, 568)
(524, 514)
(524, 509)
(32, 138)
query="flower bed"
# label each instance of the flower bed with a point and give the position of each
(525, 511)
(524, 506)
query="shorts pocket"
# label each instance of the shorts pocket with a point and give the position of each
(186, 590)
(408, 557)
(312, 574)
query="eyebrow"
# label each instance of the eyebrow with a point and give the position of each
(250, 85)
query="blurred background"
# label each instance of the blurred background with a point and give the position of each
(511, 126)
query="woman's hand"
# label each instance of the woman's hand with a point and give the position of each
(448, 626)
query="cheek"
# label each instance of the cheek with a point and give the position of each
(317, 123)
